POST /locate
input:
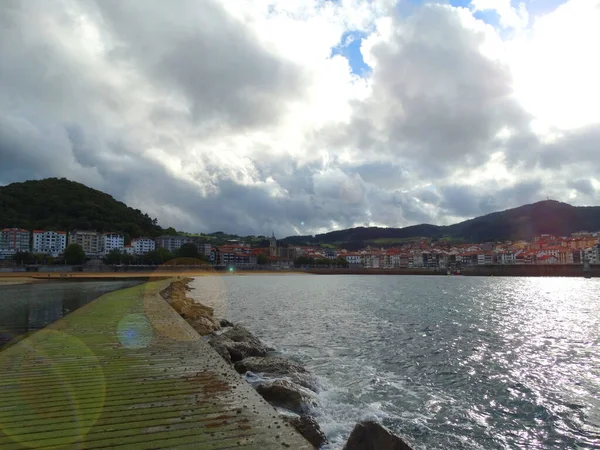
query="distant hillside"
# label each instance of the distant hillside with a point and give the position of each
(60, 204)
(524, 222)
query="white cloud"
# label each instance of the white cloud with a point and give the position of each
(556, 68)
(233, 115)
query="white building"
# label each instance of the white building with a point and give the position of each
(353, 259)
(50, 242)
(112, 241)
(129, 250)
(142, 245)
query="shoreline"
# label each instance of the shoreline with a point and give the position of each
(285, 384)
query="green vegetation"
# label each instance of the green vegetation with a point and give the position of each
(74, 254)
(60, 204)
(262, 259)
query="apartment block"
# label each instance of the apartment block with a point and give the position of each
(172, 243)
(112, 241)
(142, 245)
(90, 241)
(13, 240)
(50, 242)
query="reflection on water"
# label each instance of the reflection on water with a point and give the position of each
(30, 307)
(450, 362)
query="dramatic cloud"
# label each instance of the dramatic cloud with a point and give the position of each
(260, 115)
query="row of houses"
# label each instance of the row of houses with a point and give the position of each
(54, 243)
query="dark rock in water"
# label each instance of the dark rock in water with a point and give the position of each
(242, 350)
(226, 323)
(269, 364)
(369, 435)
(276, 367)
(240, 334)
(308, 427)
(288, 395)
(236, 351)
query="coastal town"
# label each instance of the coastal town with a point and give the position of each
(578, 248)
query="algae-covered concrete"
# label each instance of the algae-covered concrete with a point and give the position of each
(127, 371)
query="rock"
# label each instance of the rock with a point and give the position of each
(196, 310)
(179, 304)
(240, 334)
(275, 367)
(243, 350)
(219, 344)
(269, 364)
(236, 351)
(308, 427)
(288, 395)
(369, 435)
(203, 325)
(226, 323)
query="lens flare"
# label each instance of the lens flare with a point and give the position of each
(134, 331)
(48, 379)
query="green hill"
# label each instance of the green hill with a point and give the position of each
(524, 222)
(60, 204)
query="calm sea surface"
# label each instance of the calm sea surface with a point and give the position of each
(449, 362)
(29, 307)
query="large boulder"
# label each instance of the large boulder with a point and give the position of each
(308, 427)
(180, 303)
(194, 310)
(276, 367)
(370, 435)
(203, 325)
(240, 334)
(269, 364)
(225, 323)
(288, 395)
(236, 351)
(242, 350)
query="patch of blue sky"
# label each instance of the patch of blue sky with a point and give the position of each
(349, 47)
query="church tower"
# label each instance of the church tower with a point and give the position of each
(273, 245)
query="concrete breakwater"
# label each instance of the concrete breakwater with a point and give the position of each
(285, 384)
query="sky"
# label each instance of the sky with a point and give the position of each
(304, 116)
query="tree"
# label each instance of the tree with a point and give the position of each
(24, 258)
(262, 259)
(304, 261)
(114, 257)
(188, 250)
(158, 256)
(74, 254)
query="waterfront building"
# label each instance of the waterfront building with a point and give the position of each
(235, 256)
(49, 242)
(129, 249)
(112, 241)
(142, 245)
(90, 241)
(172, 243)
(13, 240)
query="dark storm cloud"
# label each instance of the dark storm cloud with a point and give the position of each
(126, 97)
(198, 50)
(437, 101)
(472, 201)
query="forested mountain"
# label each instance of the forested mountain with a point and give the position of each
(60, 204)
(524, 222)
